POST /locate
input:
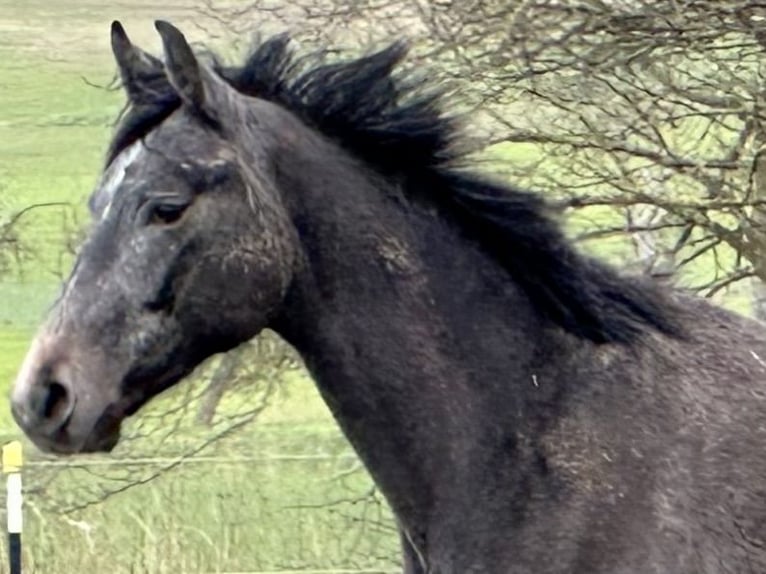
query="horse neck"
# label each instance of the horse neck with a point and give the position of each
(413, 335)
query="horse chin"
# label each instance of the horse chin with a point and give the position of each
(102, 439)
(105, 434)
(103, 443)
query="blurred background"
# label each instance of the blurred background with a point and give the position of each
(642, 121)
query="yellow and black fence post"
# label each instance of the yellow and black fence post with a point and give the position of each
(12, 462)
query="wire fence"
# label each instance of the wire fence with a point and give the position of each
(275, 514)
(183, 460)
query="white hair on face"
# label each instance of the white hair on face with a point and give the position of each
(113, 177)
(106, 190)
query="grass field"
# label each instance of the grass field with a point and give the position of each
(281, 493)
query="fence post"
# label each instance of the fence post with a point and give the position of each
(12, 463)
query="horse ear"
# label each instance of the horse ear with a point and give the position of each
(183, 70)
(138, 70)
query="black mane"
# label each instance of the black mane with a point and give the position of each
(394, 122)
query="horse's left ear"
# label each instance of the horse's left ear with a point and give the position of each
(140, 72)
(184, 72)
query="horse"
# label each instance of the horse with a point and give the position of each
(523, 407)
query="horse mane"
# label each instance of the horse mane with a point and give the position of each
(394, 122)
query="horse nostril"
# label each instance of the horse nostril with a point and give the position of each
(56, 404)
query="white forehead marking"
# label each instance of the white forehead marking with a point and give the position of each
(115, 174)
(105, 192)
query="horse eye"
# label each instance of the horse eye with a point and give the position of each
(166, 213)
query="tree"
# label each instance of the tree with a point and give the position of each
(606, 105)
(632, 104)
